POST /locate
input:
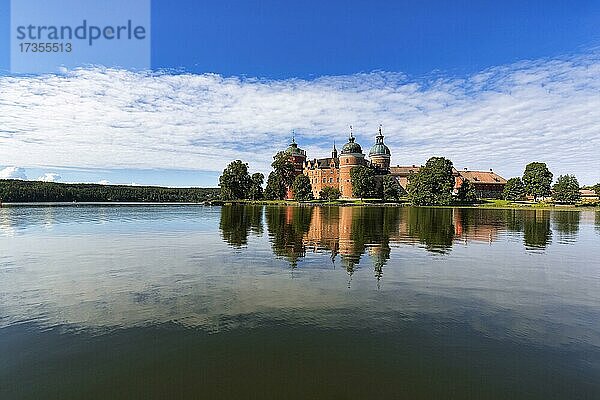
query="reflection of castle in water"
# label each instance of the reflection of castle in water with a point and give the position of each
(349, 234)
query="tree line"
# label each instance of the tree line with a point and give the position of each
(18, 191)
(433, 184)
(536, 183)
(237, 183)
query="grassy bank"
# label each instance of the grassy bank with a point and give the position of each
(487, 203)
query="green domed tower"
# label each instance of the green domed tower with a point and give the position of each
(350, 157)
(380, 154)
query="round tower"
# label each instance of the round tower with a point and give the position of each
(298, 157)
(380, 154)
(350, 157)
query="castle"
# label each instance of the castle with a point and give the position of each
(334, 171)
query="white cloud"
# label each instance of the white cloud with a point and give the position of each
(13, 173)
(500, 118)
(50, 177)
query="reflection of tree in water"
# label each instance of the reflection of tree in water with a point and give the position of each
(598, 221)
(286, 227)
(566, 224)
(536, 228)
(514, 220)
(238, 221)
(366, 229)
(433, 227)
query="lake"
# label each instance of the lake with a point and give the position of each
(180, 301)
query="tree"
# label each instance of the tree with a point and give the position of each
(514, 190)
(256, 190)
(329, 193)
(284, 168)
(597, 189)
(235, 181)
(566, 189)
(392, 191)
(276, 189)
(537, 180)
(466, 192)
(302, 189)
(433, 184)
(363, 182)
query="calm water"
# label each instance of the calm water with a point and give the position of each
(126, 302)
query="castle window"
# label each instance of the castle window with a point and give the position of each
(330, 180)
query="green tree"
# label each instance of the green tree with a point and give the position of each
(302, 189)
(235, 181)
(329, 193)
(466, 192)
(392, 191)
(284, 168)
(364, 184)
(256, 189)
(433, 184)
(566, 189)
(537, 180)
(276, 189)
(597, 189)
(514, 190)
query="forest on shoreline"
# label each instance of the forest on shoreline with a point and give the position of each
(19, 191)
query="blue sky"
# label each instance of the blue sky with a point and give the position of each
(449, 66)
(275, 39)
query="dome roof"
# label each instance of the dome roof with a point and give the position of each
(379, 148)
(351, 146)
(294, 150)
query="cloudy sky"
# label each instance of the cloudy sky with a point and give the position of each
(534, 97)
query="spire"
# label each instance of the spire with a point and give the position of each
(351, 139)
(293, 136)
(380, 135)
(334, 152)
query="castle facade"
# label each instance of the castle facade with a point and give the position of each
(334, 171)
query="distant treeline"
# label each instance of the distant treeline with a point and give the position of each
(17, 191)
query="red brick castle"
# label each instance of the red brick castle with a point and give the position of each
(334, 171)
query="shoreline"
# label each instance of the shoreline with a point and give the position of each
(339, 203)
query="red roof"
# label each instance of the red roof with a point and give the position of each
(482, 177)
